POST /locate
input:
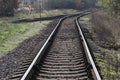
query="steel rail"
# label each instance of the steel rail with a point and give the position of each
(42, 50)
(40, 53)
(36, 60)
(87, 50)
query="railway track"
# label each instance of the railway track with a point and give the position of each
(64, 56)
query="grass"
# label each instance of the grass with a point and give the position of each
(37, 15)
(107, 59)
(107, 30)
(13, 34)
(109, 64)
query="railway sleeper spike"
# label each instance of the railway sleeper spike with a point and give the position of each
(36, 67)
(73, 56)
(16, 76)
(51, 40)
(82, 78)
(80, 36)
(89, 66)
(62, 75)
(61, 69)
(26, 64)
(56, 53)
(23, 67)
(14, 79)
(67, 61)
(63, 66)
(58, 58)
(63, 60)
(61, 55)
(70, 54)
(64, 72)
(67, 64)
(19, 72)
(67, 55)
(63, 63)
(81, 39)
(27, 61)
(75, 53)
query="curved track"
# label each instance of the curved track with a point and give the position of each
(65, 59)
(62, 57)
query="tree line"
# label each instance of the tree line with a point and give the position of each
(112, 6)
(69, 4)
(7, 6)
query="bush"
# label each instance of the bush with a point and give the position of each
(107, 29)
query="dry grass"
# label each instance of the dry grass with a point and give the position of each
(11, 35)
(107, 30)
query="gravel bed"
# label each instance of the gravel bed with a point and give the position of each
(26, 49)
(64, 56)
